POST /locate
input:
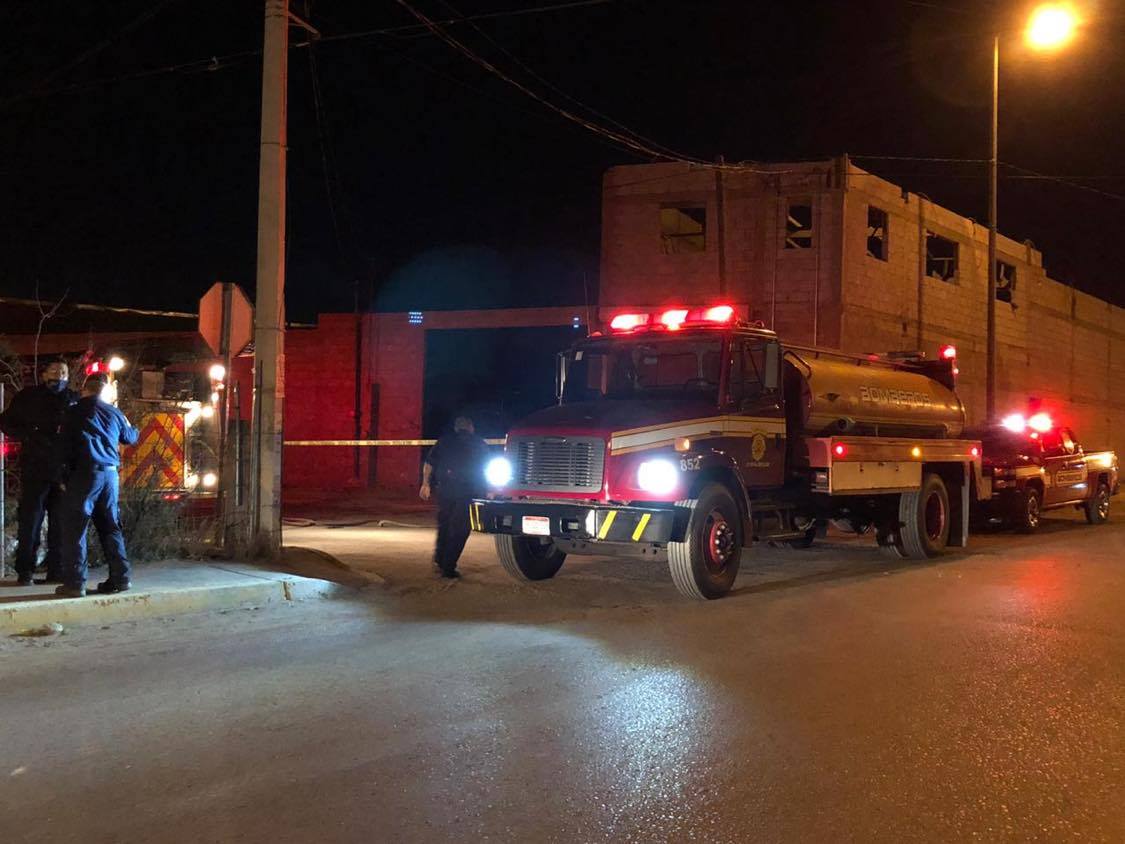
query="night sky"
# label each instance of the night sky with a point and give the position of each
(131, 186)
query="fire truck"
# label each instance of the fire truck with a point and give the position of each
(1030, 464)
(683, 435)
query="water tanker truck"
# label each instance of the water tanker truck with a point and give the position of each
(681, 436)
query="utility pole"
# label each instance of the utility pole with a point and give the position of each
(269, 310)
(990, 347)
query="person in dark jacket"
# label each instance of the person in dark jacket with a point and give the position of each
(93, 432)
(454, 469)
(35, 418)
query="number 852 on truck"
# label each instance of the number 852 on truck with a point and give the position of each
(682, 435)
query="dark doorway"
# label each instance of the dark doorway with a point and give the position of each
(494, 375)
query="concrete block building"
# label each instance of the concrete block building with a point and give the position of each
(829, 254)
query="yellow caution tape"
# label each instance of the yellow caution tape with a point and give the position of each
(377, 443)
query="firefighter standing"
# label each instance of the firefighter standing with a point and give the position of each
(34, 418)
(454, 469)
(92, 433)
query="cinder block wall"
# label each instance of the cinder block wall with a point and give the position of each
(1056, 345)
(1062, 347)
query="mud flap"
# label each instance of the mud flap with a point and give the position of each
(960, 499)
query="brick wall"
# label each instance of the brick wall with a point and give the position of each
(1057, 345)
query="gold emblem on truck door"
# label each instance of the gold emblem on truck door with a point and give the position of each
(758, 447)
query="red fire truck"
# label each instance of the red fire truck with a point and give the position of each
(682, 435)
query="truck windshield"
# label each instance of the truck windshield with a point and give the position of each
(644, 369)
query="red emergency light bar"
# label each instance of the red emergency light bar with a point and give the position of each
(673, 319)
(96, 366)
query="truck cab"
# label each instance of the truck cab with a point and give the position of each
(683, 436)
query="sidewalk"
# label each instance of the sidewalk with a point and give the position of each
(177, 587)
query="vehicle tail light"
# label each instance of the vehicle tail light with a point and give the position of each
(948, 352)
(974, 451)
(674, 318)
(627, 322)
(840, 450)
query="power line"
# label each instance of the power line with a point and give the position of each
(628, 141)
(223, 62)
(1063, 181)
(415, 27)
(90, 52)
(670, 153)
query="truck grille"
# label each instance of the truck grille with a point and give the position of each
(558, 464)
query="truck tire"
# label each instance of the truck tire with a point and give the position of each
(1097, 508)
(1029, 508)
(528, 557)
(705, 564)
(924, 515)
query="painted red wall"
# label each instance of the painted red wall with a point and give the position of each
(320, 373)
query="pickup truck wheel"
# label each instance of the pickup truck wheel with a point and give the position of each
(706, 563)
(529, 557)
(925, 517)
(1028, 511)
(1097, 508)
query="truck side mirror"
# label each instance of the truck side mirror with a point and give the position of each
(773, 370)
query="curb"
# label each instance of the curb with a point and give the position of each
(109, 609)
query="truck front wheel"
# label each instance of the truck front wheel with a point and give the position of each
(706, 563)
(529, 557)
(924, 516)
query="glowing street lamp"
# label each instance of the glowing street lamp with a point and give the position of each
(1050, 27)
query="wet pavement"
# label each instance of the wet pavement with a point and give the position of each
(834, 696)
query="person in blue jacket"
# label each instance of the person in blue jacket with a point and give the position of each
(93, 432)
(35, 417)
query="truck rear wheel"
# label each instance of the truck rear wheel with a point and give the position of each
(706, 563)
(1097, 508)
(924, 516)
(1028, 507)
(529, 557)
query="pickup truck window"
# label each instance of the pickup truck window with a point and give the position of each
(662, 369)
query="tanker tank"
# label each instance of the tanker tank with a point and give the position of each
(835, 394)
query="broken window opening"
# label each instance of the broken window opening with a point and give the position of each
(876, 232)
(941, 257)
(683, 230)
(1005, 281)
(799, 227)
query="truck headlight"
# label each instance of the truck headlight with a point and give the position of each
(498, 471)
(659, 477)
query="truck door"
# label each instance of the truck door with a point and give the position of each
(1065, 467)
(755, 397)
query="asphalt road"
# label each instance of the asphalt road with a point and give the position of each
(830, 698)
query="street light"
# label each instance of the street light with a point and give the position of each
(1050, 27)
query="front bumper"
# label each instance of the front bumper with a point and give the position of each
(591, 525)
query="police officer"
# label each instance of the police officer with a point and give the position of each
(92, 432)
(34, 418)
(454, 469)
